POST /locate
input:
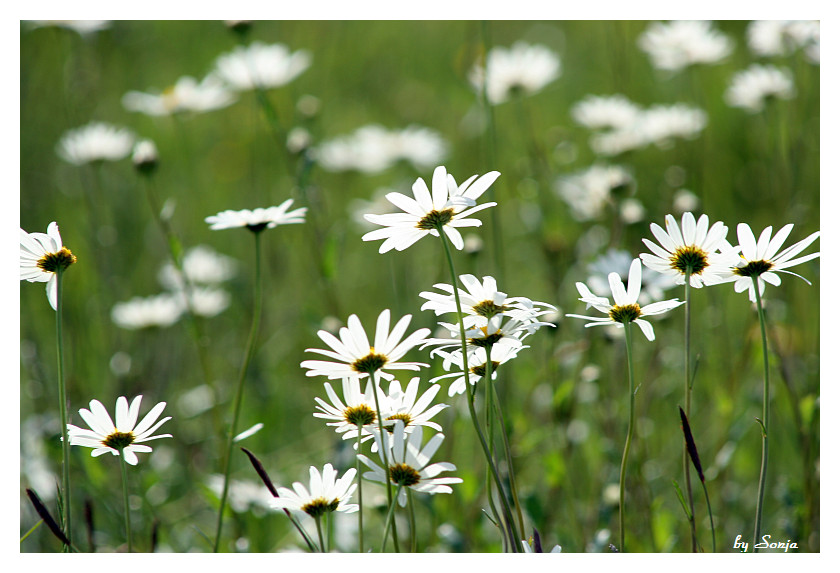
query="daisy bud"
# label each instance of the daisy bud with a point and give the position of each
(145, 157)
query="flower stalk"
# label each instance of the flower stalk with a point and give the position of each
(126, 506)
(630, 426)
(765, 414)
(687, 391)
(62, 408)
(237, 403)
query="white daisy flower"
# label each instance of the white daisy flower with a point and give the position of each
(406, 406)
(477, 362)
(325, 493)
(693, 248)
(662, 123)
(498, 330)
(125, 436)
(41, 256)
(355, 409)
(258, 219)
(626, 308)
(482, 299)
(528, 547)
(154, 311)
(446, 207)
(261, 66)
(95, 141)
(187, 95)
(751, 88)
(358, 358)
(409, 462)
(521, 68)
(763, 259)
(144, 156)
(674, 45)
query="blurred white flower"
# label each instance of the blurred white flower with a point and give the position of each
(145, 155)
(242, 494)
(675, 45)
(155, 311)
(206, 301)
(202, 265)
(373, 148)
(751, 88)
(631, 211)
(606, 112)
(82, 27)
(783, 37)
(298, 139)
(377, 205)
(653, 286)
(587, 192)
(685, 200)
(187, 95)
(521, 68)
(626, 126)
(261, 66)
(95, 141)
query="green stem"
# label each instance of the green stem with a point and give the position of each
(249, 352)
(62, 408)
(626, 454)
(374, 377)
(412, 527)
(32, 530)
(488, 420)
(686, 461)
(320, 534)
(509, 525)
(359, 488)
(711, 519)
(765, 413)
(390, 519)
(509, 460)
(125, 500)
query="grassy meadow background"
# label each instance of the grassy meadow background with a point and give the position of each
(564, 397)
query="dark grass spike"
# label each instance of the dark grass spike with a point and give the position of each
(537, 544)
(155, 535)
(89, 525)
(45, 515)
(261, 471)
(689, 444)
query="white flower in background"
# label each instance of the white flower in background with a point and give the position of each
(145, 156)
(482, 300)
(477, 362)
(95, 141)
(325, 493)
(692, 249)
(358, 358)
(626, 308)
(82, 27)
(522, 68)
(125, 437)
(41, 256)
(258, 219)
(675, 45)
(155, 311)
(261, 66)
(206, 301)
(202, 265)
(187, 95)
(762, 258)
(783, 37)
(447, 206)
(662, 123)
(606, 112)
(242, 494)
(587, 192)
(685, 200)
(373, 149)
(751, 88)
(376, 205)
(654, 284)
(409, 465)
(631, 211)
